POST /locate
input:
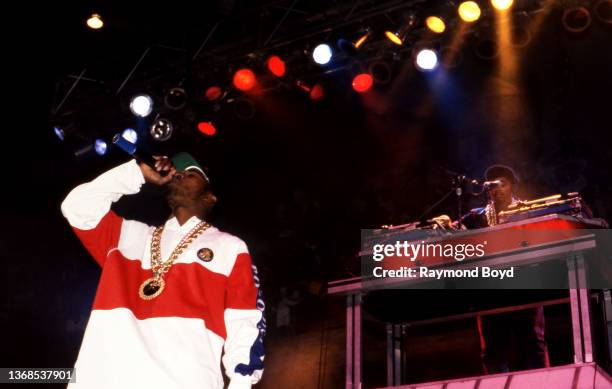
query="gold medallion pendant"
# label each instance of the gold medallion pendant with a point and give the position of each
(151, 288)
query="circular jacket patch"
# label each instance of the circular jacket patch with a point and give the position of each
(205, 254)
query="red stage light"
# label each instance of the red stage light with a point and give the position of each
(213, 93)
(317, 93)
(276, 66)
(244, 79)
(362, 82)
(207, 128)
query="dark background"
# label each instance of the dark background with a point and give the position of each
(300, 179)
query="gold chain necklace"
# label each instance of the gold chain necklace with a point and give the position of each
(153, 286)
(491, 214)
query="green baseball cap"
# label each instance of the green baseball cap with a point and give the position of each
(184, 161)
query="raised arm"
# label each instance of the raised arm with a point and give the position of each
(88, 206)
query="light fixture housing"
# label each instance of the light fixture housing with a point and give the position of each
(161, 129)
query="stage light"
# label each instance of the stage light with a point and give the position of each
(59, 133)
(426, 60)
(576, 19)
(603, 11)
(351, 48)
(317, 92)
(244, 79)
(502, 5)
(207, 128)
(486, 48)
(130, 135)
(399, 36)
(346, 46)
(64, 125)
(244, 108)
(161, 129)
(394, 37)
(435, 24)
(213, 93)
(95, 22)
(469, 11)
(100, 147)
(362, 82)
(176, 98)
(141, 105)
(380, 71)
(361, 40)
(520, 36)
(276, 66)
(322, 54)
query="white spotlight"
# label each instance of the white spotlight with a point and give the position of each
(426, 60)
(141, 105)
(322, 54)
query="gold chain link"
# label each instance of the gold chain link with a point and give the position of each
(160, 268)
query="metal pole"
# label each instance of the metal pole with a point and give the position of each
(281, 21)
(585, 308)
(74, 84)
(390, 354)
(133, 70)
(210, 34)
(575, 310)
(349, 342)
(357, 342)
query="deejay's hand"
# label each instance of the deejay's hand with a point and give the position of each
(443, 220)
(162, 164)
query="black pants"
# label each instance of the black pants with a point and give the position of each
(523, 329)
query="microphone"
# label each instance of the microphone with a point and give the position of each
(491, 184)
(140, 156)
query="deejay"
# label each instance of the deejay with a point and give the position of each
(527, 326)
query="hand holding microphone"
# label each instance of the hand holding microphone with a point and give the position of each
(161, 173)
(155, 169)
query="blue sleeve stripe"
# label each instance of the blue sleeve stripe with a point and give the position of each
(257, 349)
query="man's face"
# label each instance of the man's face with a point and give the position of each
(502, 194)
(187, 188)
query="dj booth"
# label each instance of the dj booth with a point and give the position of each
(553, 238)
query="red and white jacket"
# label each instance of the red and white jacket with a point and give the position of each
(207, 309)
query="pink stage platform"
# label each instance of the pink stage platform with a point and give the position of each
(576, 376)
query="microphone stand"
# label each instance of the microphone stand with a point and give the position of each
(458, 182)
(458, 186)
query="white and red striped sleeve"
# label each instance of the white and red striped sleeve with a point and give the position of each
(87, 208)
(244, 322)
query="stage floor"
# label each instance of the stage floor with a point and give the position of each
(574, 376)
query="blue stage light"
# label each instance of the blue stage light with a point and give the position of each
(100, 147)
(59, 133)
(130, 135)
